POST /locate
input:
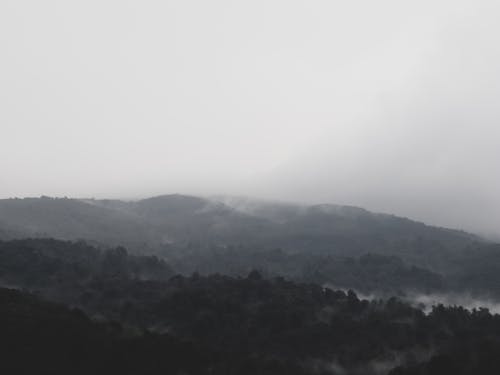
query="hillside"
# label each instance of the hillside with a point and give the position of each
(170, 224)
(251, 325)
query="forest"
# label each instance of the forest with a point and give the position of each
(72, 308)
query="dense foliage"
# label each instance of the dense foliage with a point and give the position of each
(38, 337)
(127, 314)
(44, 262)
(367, 273)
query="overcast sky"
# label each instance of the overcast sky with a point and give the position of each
(391, 105)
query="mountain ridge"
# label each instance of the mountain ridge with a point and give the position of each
(182, 220)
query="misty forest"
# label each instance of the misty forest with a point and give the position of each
(264, 187)
(187, 285)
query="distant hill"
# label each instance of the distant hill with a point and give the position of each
(179, 221)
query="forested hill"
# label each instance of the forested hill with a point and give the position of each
(223, 325)
(177, 221)
(45, 264)
(109, 312)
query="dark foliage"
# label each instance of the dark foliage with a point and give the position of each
(43, 338)
(126, 315)
(45, 262)
(367, 273)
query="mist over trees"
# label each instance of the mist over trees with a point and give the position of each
(347, 247)
(188, 285)
(218, 324)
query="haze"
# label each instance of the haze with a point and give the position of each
(388, 105)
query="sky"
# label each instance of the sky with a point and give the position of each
(390, 105)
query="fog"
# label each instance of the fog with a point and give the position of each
(427, 301)
(468, 301)
(388, 105)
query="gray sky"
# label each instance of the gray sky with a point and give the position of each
(391, 105)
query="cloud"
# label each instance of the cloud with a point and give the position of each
(428, 147)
